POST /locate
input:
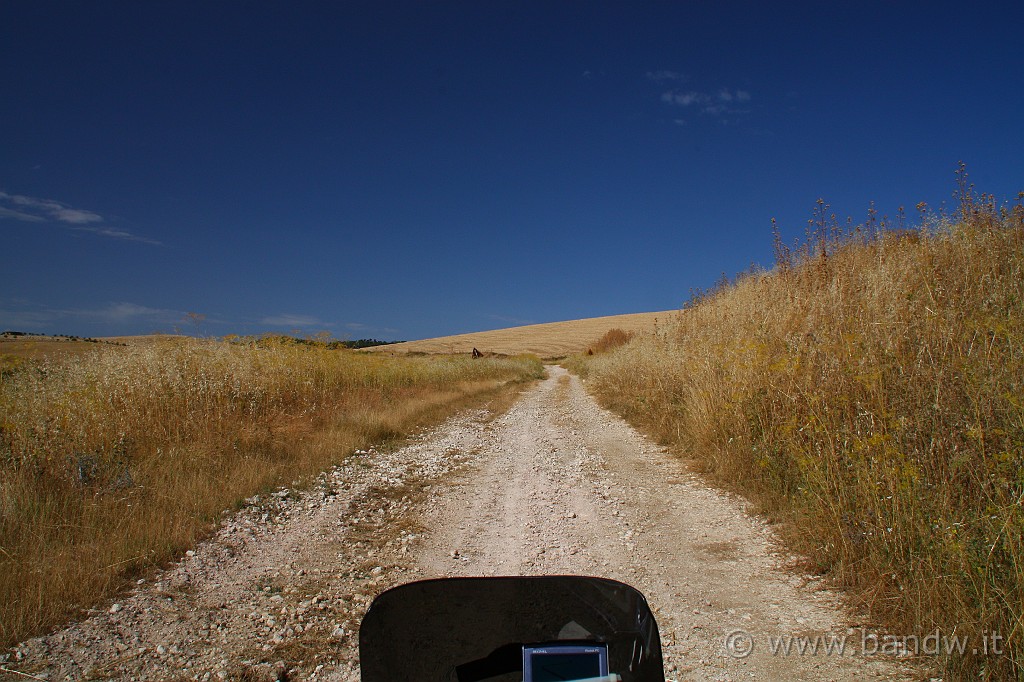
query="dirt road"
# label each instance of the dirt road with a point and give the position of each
(555, 485)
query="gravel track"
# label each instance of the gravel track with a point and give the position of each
(556, 485)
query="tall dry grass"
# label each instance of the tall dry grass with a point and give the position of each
(115, 461)
(613, 338)
(868, 393)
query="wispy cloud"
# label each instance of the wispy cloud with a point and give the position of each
(119, 312)
(26, 320)
(114, 313)
(33, 210)
(294, 320)
(307, 323)
(724, 101)
(724, 95)
(118, 234)
(20, 215)
(52, 209)
(666, 75)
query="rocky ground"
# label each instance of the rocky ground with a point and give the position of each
(556, 485)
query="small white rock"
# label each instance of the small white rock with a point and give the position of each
(115, 608)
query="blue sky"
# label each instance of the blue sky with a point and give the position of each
(404, 170)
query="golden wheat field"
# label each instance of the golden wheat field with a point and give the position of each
(548, 340)
(116, 458)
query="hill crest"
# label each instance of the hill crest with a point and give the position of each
(548, 339)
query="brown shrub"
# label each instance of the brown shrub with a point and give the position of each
(613, 338)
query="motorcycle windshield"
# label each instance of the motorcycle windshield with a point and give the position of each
(471, 629)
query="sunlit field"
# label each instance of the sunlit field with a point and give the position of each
(548, 340)
(117, 459)
(868, 393)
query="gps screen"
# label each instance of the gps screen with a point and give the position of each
(563, 662)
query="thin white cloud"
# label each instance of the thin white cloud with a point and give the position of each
(724, 101)
(20, 215)
(119, 312)
(113, 313)
(26, 320)
(666, 75)
(53, 209)
(685, 99)
(118, 234)
(31, 209)
(75, 216)
(293, 320)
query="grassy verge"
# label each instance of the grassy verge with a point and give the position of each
(117, 460)
(869, 394)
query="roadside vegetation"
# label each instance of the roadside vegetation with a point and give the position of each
(613, 338)
(868, 394)
(117, 460)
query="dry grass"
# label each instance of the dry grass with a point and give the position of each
(549, 340)
(869, 393)
(116, 460)
(15, 350)
(613, 338)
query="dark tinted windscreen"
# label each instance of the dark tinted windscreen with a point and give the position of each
(470, 629)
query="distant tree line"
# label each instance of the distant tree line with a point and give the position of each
(67, 337)
(363, 343)
(320, 341)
